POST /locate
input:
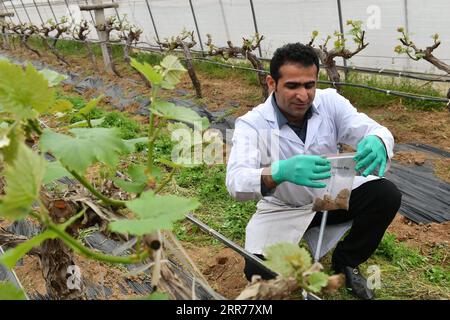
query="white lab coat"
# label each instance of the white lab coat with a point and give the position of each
(258, 141)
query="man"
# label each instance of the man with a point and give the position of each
(275, 157)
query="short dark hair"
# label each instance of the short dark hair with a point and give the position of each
(292, 53)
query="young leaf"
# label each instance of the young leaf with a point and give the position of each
(287, 259)
(24, 93)
(173, 69)
(61, 105)
(147, 71)
(87, 147)
(54, 78)
(54, 170)
(138, 177)
(9, 151)
(90, 105)
(170, 111)
(131, 144)
(8, 291)
(84, 123)
(130, 186)
(23, 180)
(317, 281)
(11, 256)
(154, 213)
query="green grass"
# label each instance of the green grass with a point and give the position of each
(405, 272)
(366, 99)
(128, 128)
(222, 72)
(218, 209)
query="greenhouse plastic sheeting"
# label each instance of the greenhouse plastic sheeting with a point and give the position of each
(230, 20)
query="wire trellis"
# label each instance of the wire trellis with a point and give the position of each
(155, 48)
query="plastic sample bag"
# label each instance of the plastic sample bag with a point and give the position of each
(337, 193)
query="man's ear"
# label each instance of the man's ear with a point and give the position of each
(271, 83)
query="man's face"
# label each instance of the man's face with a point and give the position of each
(295, 90)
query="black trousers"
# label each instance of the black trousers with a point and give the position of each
(372, 208)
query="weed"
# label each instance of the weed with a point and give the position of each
(129, 128)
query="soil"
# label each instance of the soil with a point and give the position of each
(440, 164)
(222, 267)
(328, 203)
(30, 275)
(424, 237)
(412, 158)
(410, 125)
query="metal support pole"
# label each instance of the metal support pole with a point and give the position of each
(99, 20)
(244, 253)
(225, 23)
(90, 13)
(38, 11)
(53, 12)
(153, 21)
(405, 5)
(6, 10)
(26, 11)
(120, 20)
(256, 26)
(341, 27)
(17, 14)
(323, 223)
(68, 9)
(196, 27)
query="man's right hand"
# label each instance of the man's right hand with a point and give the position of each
(302, 170)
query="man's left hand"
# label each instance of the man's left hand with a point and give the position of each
(370, 154)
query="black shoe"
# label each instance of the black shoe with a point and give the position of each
(355, 282)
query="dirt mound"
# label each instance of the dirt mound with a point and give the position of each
(223, 268)
(411, 158)
(421, 236)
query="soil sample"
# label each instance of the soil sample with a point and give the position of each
(328, 203)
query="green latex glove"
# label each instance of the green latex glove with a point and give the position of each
(370, 154)
(302, 170)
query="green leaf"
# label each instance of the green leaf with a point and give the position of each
(90, 105)
(173, 69)
(54, 78)
(9, 152)
(131, 144)
(61, 105)
(170, 111)
(131, 187)
(55, 170)
(84, 123)
(287, 259)
(317, 281)
(5, 130)
(147, 71)
(24, 93)
(11, 256)
(87, 147)
(23, 180)
(158, 296)
(167, 85)
(154, 213)
(8, 291)
(139, 178)
(169, 163)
